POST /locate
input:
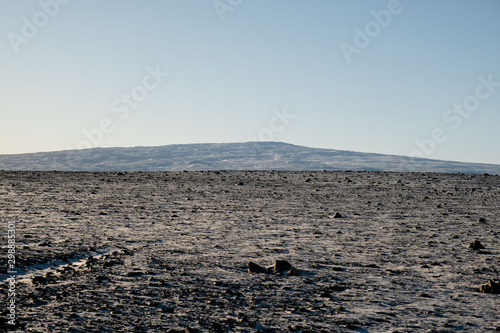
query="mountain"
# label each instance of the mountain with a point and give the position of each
(229, 156)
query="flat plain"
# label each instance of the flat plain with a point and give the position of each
(169, 251)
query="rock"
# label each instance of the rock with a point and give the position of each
(134, 273)
(295, 272)
(282, 265)
(491, 287)
(254, 268)
(476, 245)
(481, 220)
(101, 278)
(38, 280)
(337, 215)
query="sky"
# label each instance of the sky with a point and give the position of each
(412, 78)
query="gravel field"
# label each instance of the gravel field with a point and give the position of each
(170, 251)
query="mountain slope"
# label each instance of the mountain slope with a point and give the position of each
(230, 156)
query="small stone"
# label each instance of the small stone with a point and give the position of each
(491, 287)
(350, 326)
(101, 278)
(481, 220)
(38, 280)
(337, 215)
(476, 245)
(254, 268)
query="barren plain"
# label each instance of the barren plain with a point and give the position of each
(169, 251)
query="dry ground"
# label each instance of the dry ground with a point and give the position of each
(162, 251)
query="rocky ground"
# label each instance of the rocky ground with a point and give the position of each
(169, 251)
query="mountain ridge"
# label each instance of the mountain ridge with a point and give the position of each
(253, 155)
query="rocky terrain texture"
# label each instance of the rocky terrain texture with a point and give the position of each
(170, 251)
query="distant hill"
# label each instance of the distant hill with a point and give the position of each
(230, 156)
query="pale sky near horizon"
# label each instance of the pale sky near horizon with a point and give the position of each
(401, 77)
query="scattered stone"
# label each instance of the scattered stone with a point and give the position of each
(491, 287)
(337, 215)
(476, 245)
(254, 268)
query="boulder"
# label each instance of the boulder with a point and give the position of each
(491, 287)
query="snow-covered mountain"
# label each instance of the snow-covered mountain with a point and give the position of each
(230, 156)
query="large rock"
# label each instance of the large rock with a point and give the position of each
(491, 287)
(281, 266)
(476, 245)
(284, 267)
(254, 268)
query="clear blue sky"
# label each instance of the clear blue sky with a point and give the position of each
(394, 77)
